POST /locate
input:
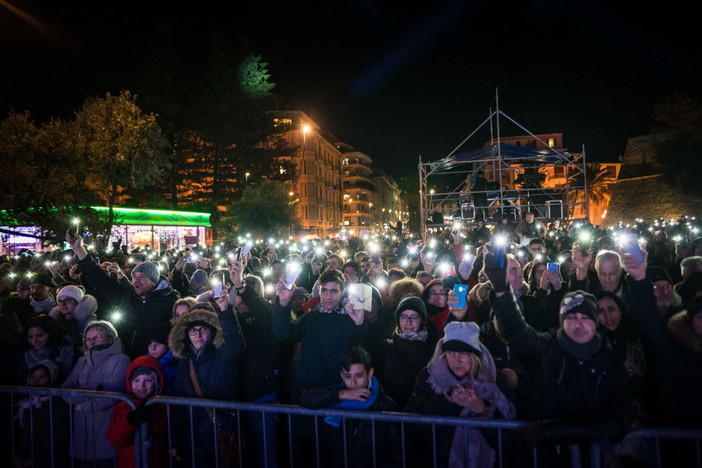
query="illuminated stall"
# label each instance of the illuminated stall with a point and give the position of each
(159, 229)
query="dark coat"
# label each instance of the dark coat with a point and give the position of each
(582, 400)
(324, 338)
(674, 369)
(259, 369)
(502, 355)
(399, 365)
(217, 373)
(138, 315)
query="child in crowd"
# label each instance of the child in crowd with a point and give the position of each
(36, 413)
(358, 391)
(158, 349)
(144, 381)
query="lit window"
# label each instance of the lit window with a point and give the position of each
(551, 142)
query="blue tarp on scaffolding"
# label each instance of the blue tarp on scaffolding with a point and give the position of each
(508, 153)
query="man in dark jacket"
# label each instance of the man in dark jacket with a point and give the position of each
(324, 333)
(146, 303)
(574, 386)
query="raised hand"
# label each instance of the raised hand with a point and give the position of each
(633, 267)
(453, 300)
(357, 315)
(284, 294)
(496, 271)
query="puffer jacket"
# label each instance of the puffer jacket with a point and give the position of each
(99, 369)
(138, 315)
(216, 368)
(121, 434)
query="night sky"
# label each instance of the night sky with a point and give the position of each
(393, 80)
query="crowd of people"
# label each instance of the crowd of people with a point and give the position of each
(585, 333)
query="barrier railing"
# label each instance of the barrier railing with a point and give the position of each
(44, 398)
(308, 436)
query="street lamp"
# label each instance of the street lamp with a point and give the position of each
(247, 177)
(305, 130)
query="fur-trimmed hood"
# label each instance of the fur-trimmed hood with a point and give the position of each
(178, 340)
(679, 325)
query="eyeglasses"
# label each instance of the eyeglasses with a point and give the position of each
(410, 318)
(662, 287)
(94, 338)
(438, 294)
(66, 301)
(199, 331)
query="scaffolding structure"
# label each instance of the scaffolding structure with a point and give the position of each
(500, 180)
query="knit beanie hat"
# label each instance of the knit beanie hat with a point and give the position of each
(73, 292)
(656, 273)
(199, 278)
(41, 278)
(411, 303)
(462, 337)
(579, 302)
(149, 269)
(159, 333)
(141, 370)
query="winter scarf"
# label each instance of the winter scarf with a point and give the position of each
(469, 448)
(416, 336)
(584, 352)
(339, 310)
(354, 405)
(43, 306)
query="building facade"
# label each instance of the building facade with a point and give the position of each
(390, 205)
(316, 188)
(359, 191)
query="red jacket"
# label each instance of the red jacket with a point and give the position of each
(121, 434)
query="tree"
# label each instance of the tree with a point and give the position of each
(265, 209)
(254, 78)
(230, 128)
(35, 162)
(124, 147)
(599, 183)
(213, 107)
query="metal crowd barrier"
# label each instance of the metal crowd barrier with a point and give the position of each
(289, 424)
(12, 397)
